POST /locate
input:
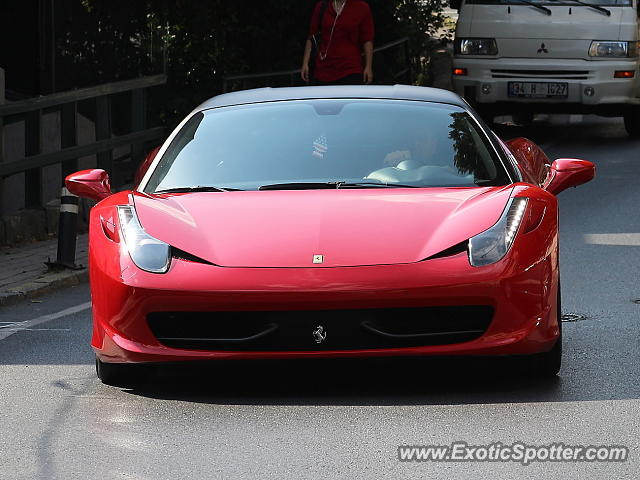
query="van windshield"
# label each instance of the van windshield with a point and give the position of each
(607, 3)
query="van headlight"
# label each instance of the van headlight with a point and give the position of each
(476, 46)
(614, 49)
(147, 252)
(493, 244)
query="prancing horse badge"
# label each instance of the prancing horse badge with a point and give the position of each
(318, 259)
(319, 334)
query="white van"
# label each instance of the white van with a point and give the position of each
(523, 57)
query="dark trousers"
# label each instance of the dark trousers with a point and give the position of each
(353, 79)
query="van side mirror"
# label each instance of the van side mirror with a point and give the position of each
(455, 4)
(92, 184)
(569, 172)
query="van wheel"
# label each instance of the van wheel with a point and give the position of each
(486, 113)
(632, 122)
(522, 118)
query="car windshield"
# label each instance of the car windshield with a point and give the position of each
(604, 3)
(324, 143)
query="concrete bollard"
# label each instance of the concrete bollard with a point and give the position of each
(67, 231)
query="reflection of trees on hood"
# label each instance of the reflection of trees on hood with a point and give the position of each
(465, 158)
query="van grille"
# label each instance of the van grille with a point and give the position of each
(542, 74)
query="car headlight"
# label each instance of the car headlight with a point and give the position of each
(491, 245)
(147, 252)
(476, 46)
(613, 49)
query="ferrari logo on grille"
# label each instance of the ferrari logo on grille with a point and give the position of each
(319, 335)
(318, 259)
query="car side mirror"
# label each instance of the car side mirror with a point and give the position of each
(92, 184)
(455, 4)
(144, 166)
(531, 159)
(569, 172)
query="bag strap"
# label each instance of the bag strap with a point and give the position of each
(323, 9)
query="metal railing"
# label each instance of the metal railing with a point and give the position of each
(292, 77)
(66, 103)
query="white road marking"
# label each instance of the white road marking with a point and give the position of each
(13, 327)
(621, 239)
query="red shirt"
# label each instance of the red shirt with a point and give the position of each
(353, 28)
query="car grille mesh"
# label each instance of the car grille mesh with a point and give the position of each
(343, 329)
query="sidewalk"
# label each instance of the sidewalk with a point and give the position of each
(23, 273)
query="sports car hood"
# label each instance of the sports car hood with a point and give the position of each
(348, 227)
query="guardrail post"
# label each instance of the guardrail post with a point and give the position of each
(103, 131)
(33, 176)
(407, 57)
(69, 135)
(1, 142)
(138, 122)
(67, 232)
(66, 102)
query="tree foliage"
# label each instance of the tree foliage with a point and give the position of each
(199, 43)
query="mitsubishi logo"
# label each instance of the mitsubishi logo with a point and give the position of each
(543, 49)
(319, 335)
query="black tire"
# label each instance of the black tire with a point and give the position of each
(486, 113)
(548, 364)
(118, 374)
(632, 122)
(522, 118)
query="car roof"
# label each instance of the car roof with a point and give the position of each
(395, 92)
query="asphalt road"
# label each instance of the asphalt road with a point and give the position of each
(346, 419)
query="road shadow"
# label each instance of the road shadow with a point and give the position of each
(589, 130)
(405, 381)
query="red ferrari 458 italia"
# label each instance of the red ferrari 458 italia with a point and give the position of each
(329, 222)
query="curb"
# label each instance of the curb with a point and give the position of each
(42, 285)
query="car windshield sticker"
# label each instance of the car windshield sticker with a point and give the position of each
(320, 146)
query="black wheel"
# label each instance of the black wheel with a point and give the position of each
(522, 118)
(548, 364)
(485, 112)
(632, 122)
(118, 374)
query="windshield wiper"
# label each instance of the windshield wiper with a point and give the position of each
(329, 185)
(539, 7)
(606, 11)
(299, 186)
(373, 184)
(199, 188)
(483, 181)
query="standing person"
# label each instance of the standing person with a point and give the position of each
(346, 31)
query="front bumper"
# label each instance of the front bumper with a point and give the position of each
(523, 300)
(486, 83)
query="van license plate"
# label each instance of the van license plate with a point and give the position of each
(538, 90)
